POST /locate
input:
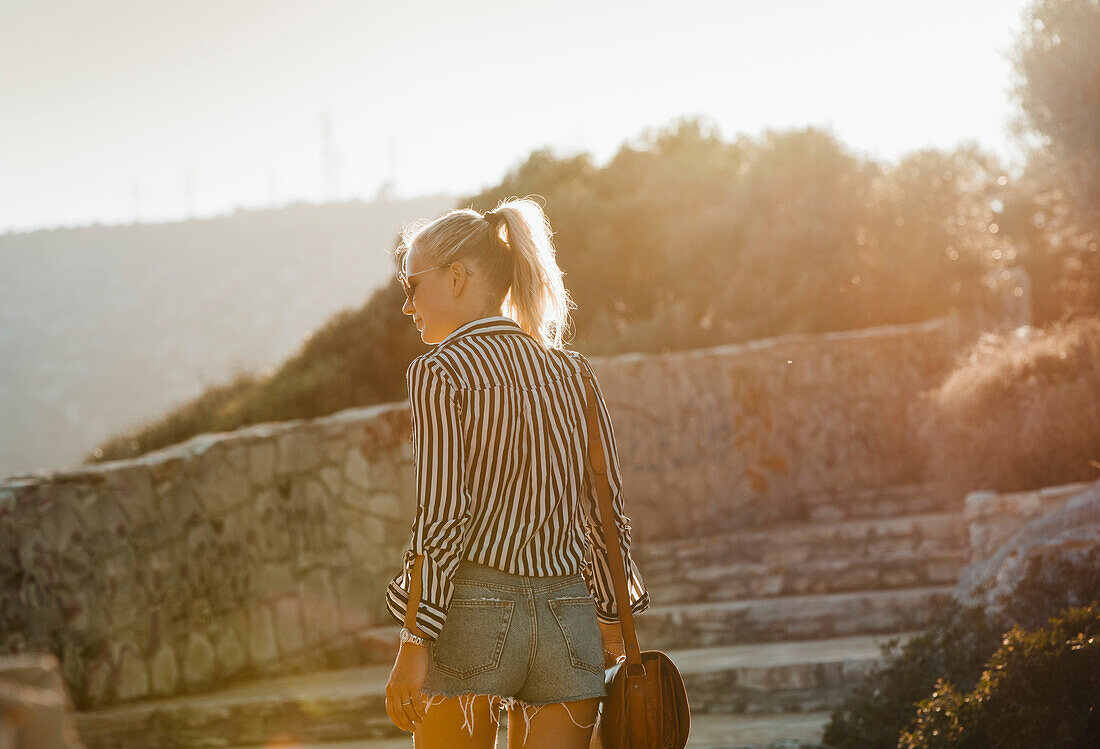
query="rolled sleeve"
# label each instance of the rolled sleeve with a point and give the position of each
(599, 580)
(443, 502)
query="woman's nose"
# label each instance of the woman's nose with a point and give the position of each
(407, 307)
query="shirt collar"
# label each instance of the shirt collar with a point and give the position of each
(493, 323)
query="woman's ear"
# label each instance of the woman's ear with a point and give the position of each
(458, 277)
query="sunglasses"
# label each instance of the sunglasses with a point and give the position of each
(409, 289)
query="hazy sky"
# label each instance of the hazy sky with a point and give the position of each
(116, 110)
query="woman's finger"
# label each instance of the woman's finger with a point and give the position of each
(417, 706)
(397, 715)
(389, 711)
(408, 708)
(403, 715)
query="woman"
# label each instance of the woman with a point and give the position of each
(499, 604)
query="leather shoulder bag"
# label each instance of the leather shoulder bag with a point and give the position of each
(646, 705)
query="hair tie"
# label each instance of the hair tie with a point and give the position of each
(491, 217)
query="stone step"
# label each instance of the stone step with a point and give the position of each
(800, 676)
(785, 618)
(878, 502)
(785, 731)
(324, 706)
(737, 580)
(798, 543)
(349, 704)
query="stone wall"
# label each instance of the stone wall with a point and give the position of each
(260, 551)
(267, 550)
(992, 517)
(786, 428)
(1011, 531)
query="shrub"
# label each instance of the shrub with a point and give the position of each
(1021, 412)
(955, 650)
(1040, 688)
(956, 645)
(1050, 584)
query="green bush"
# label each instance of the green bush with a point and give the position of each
(1041, 688)
(956, 649)
(956, 644)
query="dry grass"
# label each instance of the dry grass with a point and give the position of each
(1021, 412)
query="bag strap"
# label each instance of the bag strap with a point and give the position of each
(598, 463)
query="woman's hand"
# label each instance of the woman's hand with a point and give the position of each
(614, 647)
(406, 678)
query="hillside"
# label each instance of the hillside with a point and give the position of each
(686, 240)
(102, 327)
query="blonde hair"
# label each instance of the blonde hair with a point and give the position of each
(513, 248)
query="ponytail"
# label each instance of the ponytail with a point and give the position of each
(512, 247)
(537, 299)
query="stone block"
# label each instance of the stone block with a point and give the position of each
(942, 571)
(287, 613)
(381, 643)
(368, 551)
(768, 678)
(406, 451)
(786, 555)
(333, 480)
(373, 530)
(103, 512)
(899, 578)
(199, 663)
(263, 646)
(237, 455)
(133, 486)
(854, 578)
(357, 594)
(376, 475)
(261, 461)
(388, 505)
(335, 448)
(769, 585)
(178, 504)
(164, 470)
(357, 470)
(358, 499)
(165, 671)
(342, 651)
(320, 612)
(60, 525)
(133, 677)
(219, 486)
(230, 652)
(299, 451)
(826, 514)
(273, 579)
(99, 681)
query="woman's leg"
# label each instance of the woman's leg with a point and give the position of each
(559, 725)
(468, 721)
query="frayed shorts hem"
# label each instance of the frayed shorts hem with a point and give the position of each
(601, 695)
(496, 701)
(508, 701)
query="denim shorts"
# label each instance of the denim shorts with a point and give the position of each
(527, 640)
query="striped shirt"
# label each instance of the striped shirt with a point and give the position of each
(500, 436)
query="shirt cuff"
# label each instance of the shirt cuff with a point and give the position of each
(639, 606)
(429, 617)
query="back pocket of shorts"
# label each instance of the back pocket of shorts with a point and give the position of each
(473, 636)
(577, 618)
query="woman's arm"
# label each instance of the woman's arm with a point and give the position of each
(443, 502)
(601, 584)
